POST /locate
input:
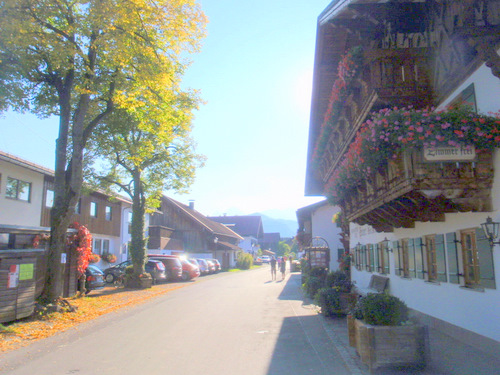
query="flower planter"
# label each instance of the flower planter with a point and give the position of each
(139, 283)
(381, 346)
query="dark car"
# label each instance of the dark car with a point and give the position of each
(173, 266)
(155, 268)
(217, 265)
(203, 266)
(94, 279)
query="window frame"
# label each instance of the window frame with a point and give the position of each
(17, 190)
(93, 212)
(470, 263)
(108, 213)
(431, 258)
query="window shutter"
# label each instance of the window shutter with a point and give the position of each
(372, 258)
(440, 258)
(340, 253)
(485, 255)
(397, 254)
(377, 261)
(419, 259)
(451, 247)
(366, 258)
(386, 260)
(411, 258)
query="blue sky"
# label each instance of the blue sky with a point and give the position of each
(254, 73)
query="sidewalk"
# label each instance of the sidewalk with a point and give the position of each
(449, 356)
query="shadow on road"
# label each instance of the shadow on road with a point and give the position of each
(292, 289)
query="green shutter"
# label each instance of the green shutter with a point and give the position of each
(356, 257)
(376, 254)
(485, 255)
(372, 258)
(419, 259)
(366, 259)
(397, 257)
(440, 258)
(451, 248)
(386, 260)
(411, 258)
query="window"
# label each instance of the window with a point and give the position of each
(93, 209)
(49, 198)
(129, 222)
(383, 257)
(78, 208)
(105, 246)
(466, 98)
(430, 246)
(401, 258)
(17, 189)
(97, 246)
(108, 213)
(470, 258)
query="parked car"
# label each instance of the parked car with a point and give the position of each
(265, 258)
(217, 265)
(173, 266)
(154, 267)
(94, 279)
(189, 270)
(211, 266)
(203, 266)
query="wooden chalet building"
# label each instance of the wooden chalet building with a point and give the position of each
(414, 185)
(176, 226)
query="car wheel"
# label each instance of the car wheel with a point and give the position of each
(185, 276)
(110, 278)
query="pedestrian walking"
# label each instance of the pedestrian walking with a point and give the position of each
(283, 268)
(273, 268)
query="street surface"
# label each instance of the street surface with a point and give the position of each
(231, 323)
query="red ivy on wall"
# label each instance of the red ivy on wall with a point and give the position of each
(81, 243)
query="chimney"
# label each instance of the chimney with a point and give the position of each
(191, 204)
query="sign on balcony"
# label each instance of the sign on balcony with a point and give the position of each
(449, 154)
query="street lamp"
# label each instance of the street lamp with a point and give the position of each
(490, 229)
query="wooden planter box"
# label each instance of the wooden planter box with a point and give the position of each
(141, 283)
(381, 346)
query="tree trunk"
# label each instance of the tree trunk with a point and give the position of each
(138, 242)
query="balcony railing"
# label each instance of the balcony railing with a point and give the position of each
(391, 77)
(409, 189)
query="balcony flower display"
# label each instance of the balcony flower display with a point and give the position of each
(348, 69)
(392, 130)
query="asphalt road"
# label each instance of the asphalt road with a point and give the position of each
(233, 323)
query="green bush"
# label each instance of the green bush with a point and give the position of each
(328, 299)
(244, 261)
(381, 309)
(340, 280)
(311, 285)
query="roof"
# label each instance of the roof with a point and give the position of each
(271, 237)
(244, 225)
(12, 159)
(212, 226)
(26, 164)
(308, 210)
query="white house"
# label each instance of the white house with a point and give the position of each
(415, 216)
(322, 220)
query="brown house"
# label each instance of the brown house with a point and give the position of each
(176, 226)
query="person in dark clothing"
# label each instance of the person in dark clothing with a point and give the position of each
(273, 268)
(283, 268)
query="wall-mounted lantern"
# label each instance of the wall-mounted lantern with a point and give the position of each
(490, 229)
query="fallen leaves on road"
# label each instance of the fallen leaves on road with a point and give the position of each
(97, 303)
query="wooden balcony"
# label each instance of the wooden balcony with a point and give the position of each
(159, 236)
(409, 189)
(389, 78)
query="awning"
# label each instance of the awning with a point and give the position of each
(228, 245)
(268, 252)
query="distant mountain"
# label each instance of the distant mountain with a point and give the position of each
(286, 228)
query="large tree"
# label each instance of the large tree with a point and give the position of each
(81, 59)
(143, 157)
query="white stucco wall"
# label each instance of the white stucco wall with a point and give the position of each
(17, 212)
(323, 226)
(474, 310)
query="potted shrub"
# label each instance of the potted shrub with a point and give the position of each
(134, 281)
(380, 332)
(347, 297)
